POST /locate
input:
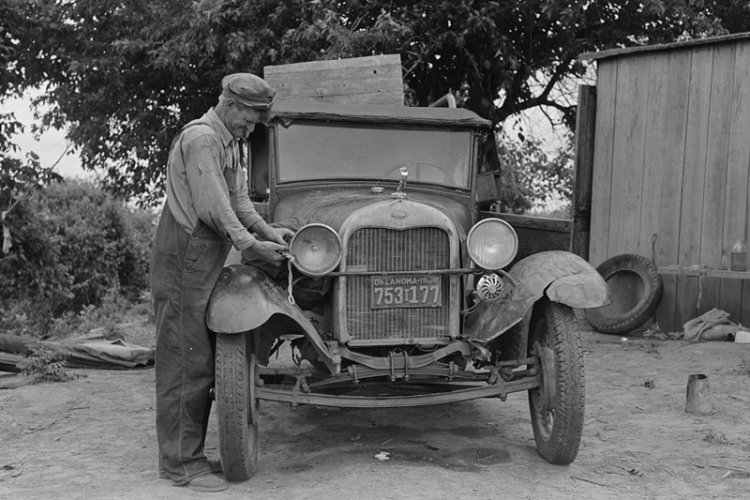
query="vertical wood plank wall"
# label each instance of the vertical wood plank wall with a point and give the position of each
(671, 169)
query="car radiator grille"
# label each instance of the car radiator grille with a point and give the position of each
(387, 250)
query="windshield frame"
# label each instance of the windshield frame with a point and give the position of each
(459, 175)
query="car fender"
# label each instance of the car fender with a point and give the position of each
(245, 298)
(563, 276)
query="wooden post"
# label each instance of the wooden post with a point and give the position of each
(584, 170)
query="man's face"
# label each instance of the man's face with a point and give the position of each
(241, 119)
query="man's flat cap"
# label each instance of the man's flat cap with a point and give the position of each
(248, 89)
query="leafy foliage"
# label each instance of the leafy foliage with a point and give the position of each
(105, 317)
(73, 245)
(18, 178)
(9, 126)
(45, 363)
(126, 74)
(540, 177)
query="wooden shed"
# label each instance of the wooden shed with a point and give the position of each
(670, 169)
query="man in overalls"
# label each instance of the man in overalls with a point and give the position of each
(208, 210)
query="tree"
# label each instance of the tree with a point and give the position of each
(533, 178)
(73, 246)
(126, 74)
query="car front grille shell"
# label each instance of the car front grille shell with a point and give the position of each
(409, 247)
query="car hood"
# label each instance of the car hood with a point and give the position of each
(294, 210)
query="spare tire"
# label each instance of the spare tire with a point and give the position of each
(635, 288)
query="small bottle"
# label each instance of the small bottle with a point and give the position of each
(738, 257)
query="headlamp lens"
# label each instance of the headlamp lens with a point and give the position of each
(316, 249)
(492, 244)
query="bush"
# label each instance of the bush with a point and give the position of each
(45, 363)
(533, 178)
(73, 245)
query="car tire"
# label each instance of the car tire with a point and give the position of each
(557, 405)
(635, 287)
(237, 406)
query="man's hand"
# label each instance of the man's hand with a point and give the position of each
(280, 235)
(270, 251)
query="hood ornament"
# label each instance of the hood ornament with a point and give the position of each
(399, 193)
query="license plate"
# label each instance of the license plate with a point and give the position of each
(405, 291)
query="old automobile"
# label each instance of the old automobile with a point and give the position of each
(395, 279)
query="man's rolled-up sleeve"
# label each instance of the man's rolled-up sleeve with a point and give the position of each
(245, 209)
(209, 190)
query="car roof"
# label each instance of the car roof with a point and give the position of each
(369, 113)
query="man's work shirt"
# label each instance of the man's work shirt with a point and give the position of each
(196, 184)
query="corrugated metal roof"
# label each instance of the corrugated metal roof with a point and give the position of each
(383, 114)
(626, 51)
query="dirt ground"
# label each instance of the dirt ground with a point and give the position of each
(94, 438)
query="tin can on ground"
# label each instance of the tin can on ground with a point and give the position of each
(738, 257)
(698, 395)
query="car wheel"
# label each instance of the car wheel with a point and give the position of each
(557, 405)
(237, 406)
(636, 288)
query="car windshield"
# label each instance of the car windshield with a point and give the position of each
(309, 151)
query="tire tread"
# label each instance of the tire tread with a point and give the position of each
(237, 439)
(562, 446)
(628, 321)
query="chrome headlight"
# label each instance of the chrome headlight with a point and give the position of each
(492, 244)
(316, 249)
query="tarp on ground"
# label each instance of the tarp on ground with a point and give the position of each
(86, 352)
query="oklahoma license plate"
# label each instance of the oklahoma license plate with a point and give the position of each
(405, 291)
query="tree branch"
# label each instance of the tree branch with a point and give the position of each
(510, 107)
